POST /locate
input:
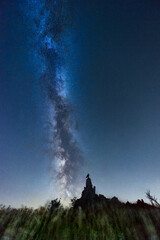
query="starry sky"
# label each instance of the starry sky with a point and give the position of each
(85, 99)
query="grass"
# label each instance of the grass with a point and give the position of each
(95, 223)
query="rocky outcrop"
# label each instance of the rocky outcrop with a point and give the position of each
(90, 198)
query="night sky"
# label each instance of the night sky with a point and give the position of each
(79, 96)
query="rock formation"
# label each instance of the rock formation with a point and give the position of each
(89, 191)
(89, 196)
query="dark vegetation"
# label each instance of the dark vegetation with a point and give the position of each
(94, 217)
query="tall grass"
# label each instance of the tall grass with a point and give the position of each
(95, 223)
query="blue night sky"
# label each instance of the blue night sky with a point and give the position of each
(109, 77)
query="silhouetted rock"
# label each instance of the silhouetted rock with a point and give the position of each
(142, 204)
(88, 194)
(90, 198)
(89, 191)
(139, 204)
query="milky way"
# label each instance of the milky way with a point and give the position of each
(50, 34)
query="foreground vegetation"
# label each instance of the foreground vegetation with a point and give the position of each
(112, 222)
